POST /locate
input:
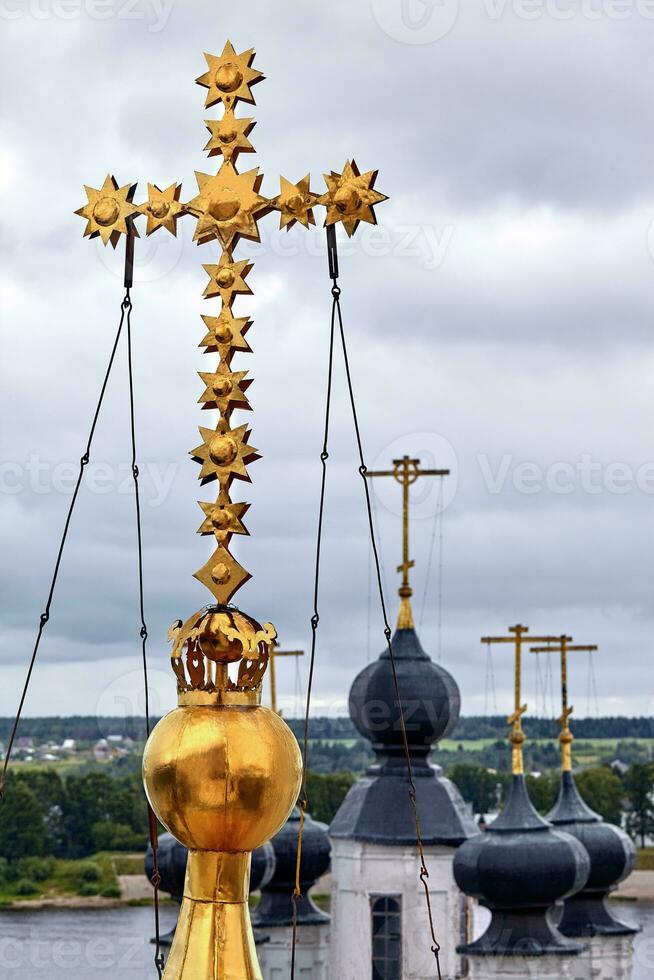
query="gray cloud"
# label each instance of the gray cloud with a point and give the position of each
(504, 303)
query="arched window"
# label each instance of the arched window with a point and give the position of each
(386, 911)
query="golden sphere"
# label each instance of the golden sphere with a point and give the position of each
(159, 209)
(223, 450)
(347, 199)
(105, 211)
(222, 778)
(224, 333)
(295, 204)
(225, 277)
(227, 135)
(222, 387)
(215, 645)
(220, 573)
(220, 519)
(225, 205)
(228, 77)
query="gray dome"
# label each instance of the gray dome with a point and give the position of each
(275, 906)
(519, 868)
(377, 808)
(430, 698)
(612, 858)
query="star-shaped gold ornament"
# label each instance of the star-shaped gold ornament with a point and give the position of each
(230, 77)
(226, 334)
(228, 205)
(223, 518)
(350, 197)
(108, 210)
(162, 208)
(229, 136)
(224, 454)
(225, 390)
(228, 279)
(222, 575)
(295, 202)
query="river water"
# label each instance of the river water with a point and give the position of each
(66, 944)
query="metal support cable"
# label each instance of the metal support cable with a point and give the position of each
(315, 620)
(424, 873)
(45, 615)
(152, 820)
(125, 318)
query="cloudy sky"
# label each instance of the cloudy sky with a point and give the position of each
(500, 321)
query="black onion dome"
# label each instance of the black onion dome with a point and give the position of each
(612, 858)
(519, 867)
(377, 808)
(275, 906)
(430, 699)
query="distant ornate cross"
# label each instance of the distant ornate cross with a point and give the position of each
(227, 208)
(563, 645)
(517, 636)
(406, 471)
(274, 653)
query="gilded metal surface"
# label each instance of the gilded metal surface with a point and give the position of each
(295, 202)
(227, 280)
(350, 197)
(563, 645)
(406, 471)
(108, 209)
(222, 780)
(229, 136)
(230, 77)
(214, 637)
(221, 772)
(162, 208)
(517, 636)
(228, 207)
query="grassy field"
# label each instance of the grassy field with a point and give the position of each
(51, 878)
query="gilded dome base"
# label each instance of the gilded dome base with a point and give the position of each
(214, 938)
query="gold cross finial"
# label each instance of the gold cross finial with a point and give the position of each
(406, 471)
(563, 645)
(517, 636)
(227, 208)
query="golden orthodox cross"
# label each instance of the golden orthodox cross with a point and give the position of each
(517, 636)
(406, 471)
(227, 207)
(274, 653)
(563, 645)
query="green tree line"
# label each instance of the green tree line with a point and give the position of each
(43, 814)
(89, 728)
(603, 790)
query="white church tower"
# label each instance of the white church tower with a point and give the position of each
(379, 919)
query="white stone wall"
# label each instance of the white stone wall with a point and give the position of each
(607, 958)
(311, 953)
(360, 870)
(522, 968)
